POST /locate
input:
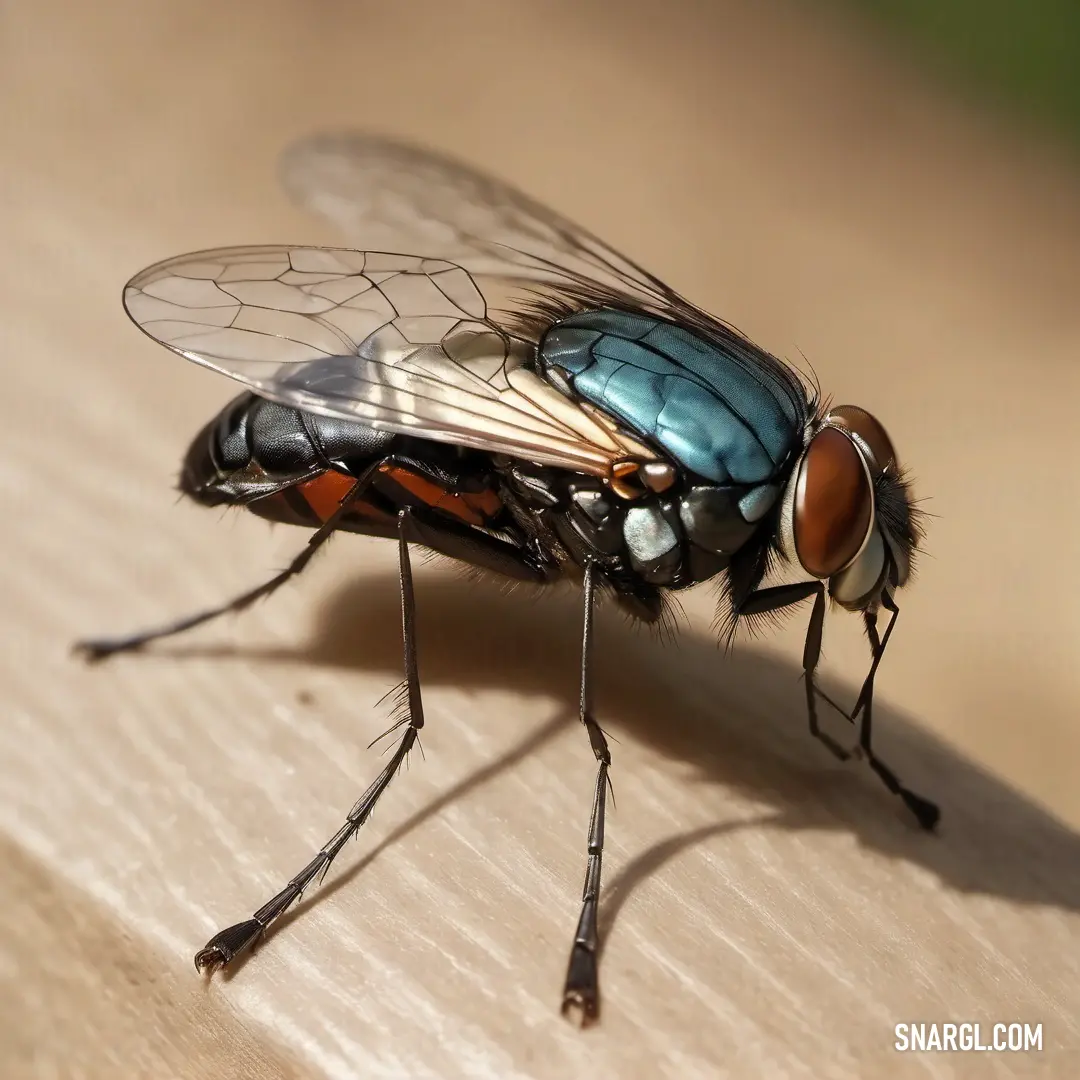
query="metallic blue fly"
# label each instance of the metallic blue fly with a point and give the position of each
(484, 378)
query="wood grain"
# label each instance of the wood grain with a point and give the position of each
(767, 911)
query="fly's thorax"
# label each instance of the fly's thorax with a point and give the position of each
(830, 525)
(672, 538)
(704, 398)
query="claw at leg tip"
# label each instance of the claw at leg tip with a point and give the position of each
(207, 961)
(579, 1009)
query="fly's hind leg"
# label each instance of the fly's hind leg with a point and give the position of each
(100, 648)
(460, 542)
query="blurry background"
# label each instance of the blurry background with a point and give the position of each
(1020, 56)
(891, 189)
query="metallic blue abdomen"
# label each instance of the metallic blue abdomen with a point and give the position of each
(717, 408)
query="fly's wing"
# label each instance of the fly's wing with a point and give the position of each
(383, 193)
(398, 342)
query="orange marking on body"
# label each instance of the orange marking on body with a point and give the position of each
(325, 492)
(485, 502)
(429, 492)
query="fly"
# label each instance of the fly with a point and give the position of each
(485, 379)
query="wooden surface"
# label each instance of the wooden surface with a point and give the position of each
(768, 912)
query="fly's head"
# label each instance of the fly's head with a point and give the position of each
(847, 514)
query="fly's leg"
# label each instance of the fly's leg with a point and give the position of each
(781, 596)
(99, 649)
(227, 944)
(581, 990)
(926, 811)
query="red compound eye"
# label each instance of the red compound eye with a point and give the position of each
(834, 504)
(868, 428)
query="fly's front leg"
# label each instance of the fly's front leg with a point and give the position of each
(927, 812)
(763, 601)
(581, 990)
(227, 944)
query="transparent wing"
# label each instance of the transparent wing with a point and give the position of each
(399, 342)
(382, 193)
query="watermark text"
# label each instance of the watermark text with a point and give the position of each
(1015, 1037)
